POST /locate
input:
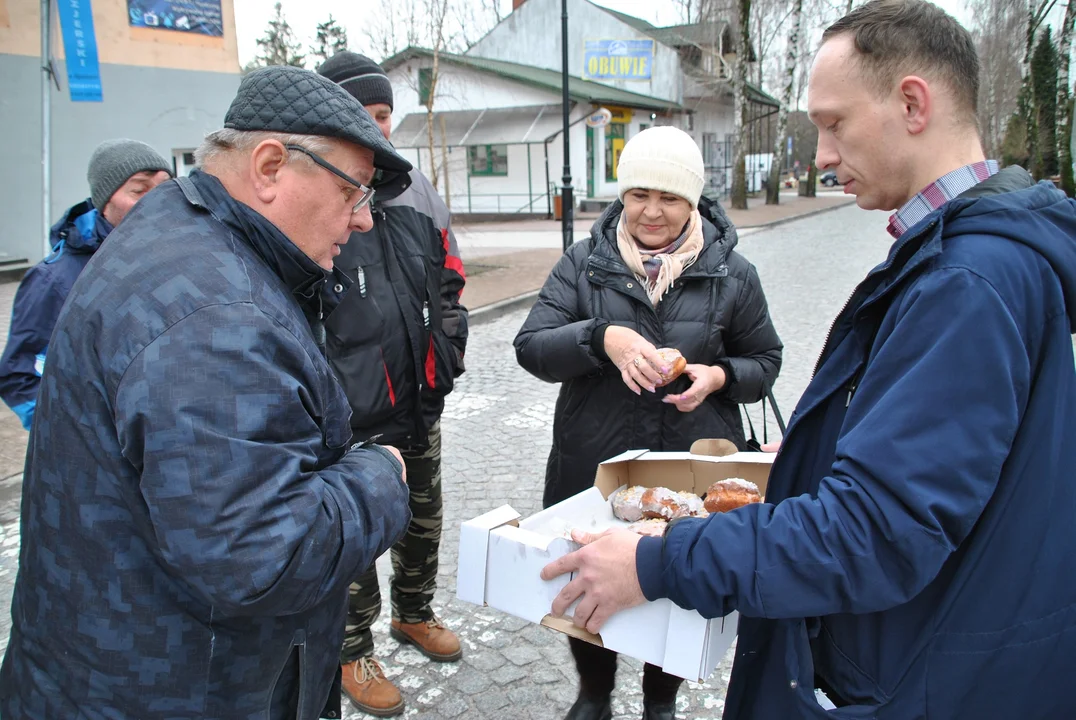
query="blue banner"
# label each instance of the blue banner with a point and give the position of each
(80, 50)
(194, 16)
(617, 59)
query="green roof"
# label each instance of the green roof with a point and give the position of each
(579, 89)
(637, 23)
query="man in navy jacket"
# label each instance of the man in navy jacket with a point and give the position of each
(914, 556)
(193, 509)
(119, 174)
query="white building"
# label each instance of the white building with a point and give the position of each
(497, 114)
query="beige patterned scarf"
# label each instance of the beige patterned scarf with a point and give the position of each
(660, 268)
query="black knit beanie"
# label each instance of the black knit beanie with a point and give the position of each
(360, 76)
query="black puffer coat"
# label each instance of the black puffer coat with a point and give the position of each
(715, 311)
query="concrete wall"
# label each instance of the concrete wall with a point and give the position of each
(169, 109)
(531, 36)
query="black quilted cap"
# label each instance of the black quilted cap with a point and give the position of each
(292, 100)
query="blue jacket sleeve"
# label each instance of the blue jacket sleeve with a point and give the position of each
(37, 306)
(919, 456)
(219, 414)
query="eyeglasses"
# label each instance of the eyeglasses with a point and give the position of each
(366, 194)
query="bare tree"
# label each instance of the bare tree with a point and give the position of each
(768, 20)
(1064, 100)
(474, 20)
(437, 12)
(998, 30)
(739, 93)
(773, 192)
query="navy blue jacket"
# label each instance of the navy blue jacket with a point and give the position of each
(74, 239)
(192, 513)
(917, 550)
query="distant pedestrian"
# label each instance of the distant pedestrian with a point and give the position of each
(120, 173)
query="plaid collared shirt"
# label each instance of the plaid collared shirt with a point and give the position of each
(938, 193)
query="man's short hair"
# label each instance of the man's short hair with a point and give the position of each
(895, 38)
(226, 141)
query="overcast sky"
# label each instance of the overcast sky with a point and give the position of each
(252, 16)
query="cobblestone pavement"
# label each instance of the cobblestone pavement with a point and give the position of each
(496, 438)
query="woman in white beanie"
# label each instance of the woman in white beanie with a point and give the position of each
(659, 271)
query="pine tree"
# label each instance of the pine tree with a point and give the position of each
(1044, 90)
(278, 46)
(330, 39)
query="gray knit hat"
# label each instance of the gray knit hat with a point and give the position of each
(360, 76)
(114, 162)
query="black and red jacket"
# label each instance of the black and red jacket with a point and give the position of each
(397, 337)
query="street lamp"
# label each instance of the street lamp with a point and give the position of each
(566, 202)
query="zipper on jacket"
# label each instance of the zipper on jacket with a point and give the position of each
(362, 280)
(852, 385)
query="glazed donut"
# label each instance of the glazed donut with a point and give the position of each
(676, 363)
(725, 495)
(627, 503)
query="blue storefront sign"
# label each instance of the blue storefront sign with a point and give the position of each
(618, 59)
(194, 16)
(80, 49)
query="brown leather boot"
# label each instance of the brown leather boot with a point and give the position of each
(430, 638)
(369, 690)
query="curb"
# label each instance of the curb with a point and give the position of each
(10, 275)
(794, 218)
(500, 308)
(496, 310)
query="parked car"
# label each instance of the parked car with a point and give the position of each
(829, 178)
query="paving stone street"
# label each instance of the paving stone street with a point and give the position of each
(496, 435)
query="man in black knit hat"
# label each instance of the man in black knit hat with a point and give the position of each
(396, 341)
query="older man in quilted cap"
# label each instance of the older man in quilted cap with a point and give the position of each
(187, 552)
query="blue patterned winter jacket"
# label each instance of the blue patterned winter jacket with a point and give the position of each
(192, 514)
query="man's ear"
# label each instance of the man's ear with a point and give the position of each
(918, 101)
(266, 162)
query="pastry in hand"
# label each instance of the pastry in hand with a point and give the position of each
(672, 359)
(725, 495)
(627, 503)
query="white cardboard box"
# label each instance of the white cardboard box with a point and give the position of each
(501, 556)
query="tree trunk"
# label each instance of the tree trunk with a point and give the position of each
(1064, 103)
(849, 9)
(444, 164)
(773, 192)
(1027, 97)
(739, 93)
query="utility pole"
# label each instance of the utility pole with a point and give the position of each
(566, 202)
(46, 124)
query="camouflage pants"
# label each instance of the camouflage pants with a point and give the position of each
(414, 558)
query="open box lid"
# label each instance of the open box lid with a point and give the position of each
(708, 462)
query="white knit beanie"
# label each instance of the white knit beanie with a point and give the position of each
(662, 158)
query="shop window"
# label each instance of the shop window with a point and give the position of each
(614, 143)
(487, 159)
